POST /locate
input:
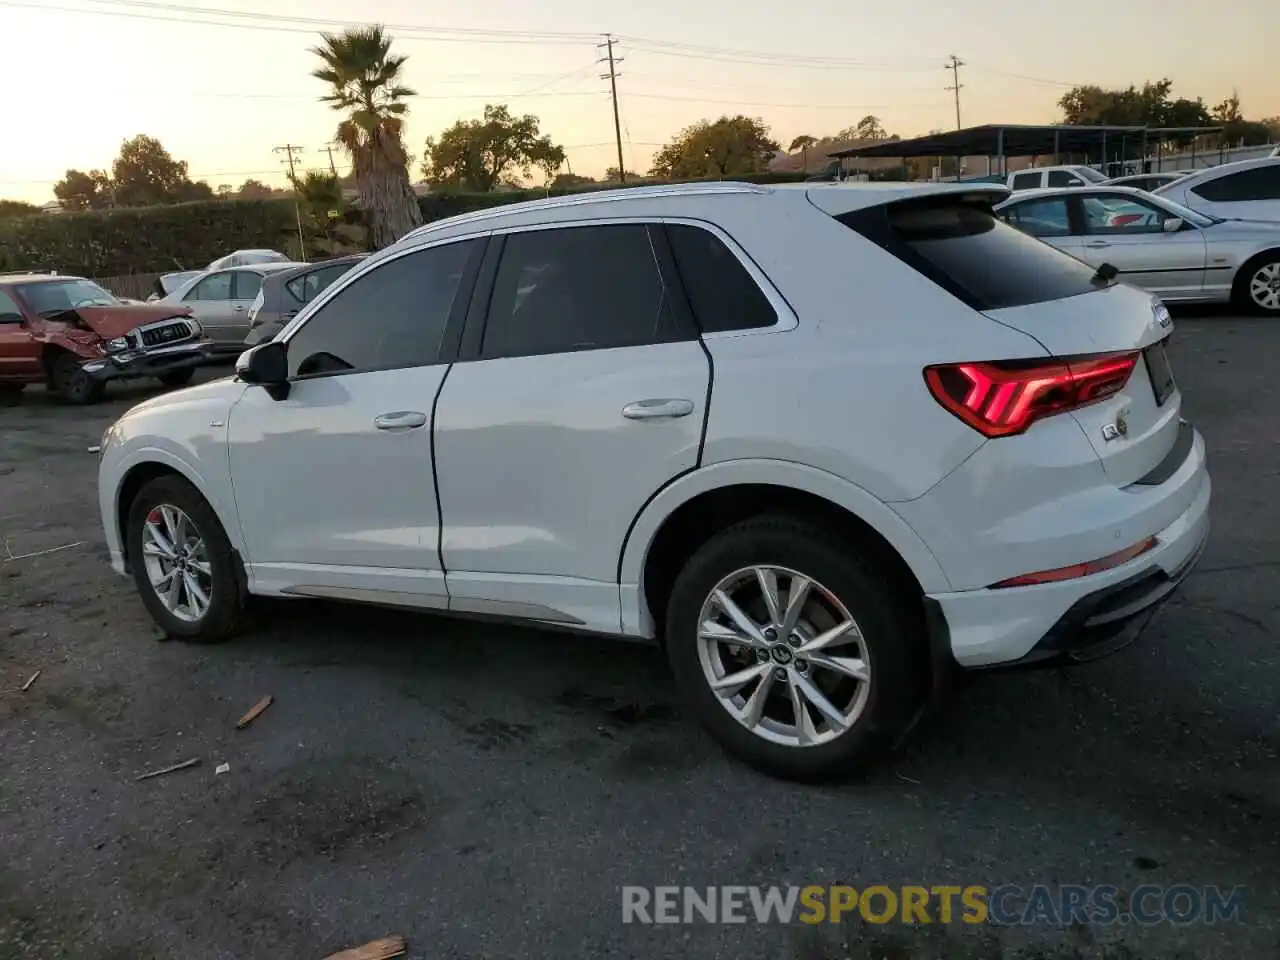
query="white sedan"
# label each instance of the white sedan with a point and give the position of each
(1154, 243)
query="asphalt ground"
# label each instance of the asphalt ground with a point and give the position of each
(486, 791)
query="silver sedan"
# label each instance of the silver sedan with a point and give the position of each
(1166, 248)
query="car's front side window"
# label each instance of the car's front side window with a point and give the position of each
(248, 284)
(566, 289)
(215, 287)
(9, 311)
(393, 316)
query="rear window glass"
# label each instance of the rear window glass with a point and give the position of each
(969, 252)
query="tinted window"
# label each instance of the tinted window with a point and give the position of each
(1060, 178)
(721, 291)
(578, 288)
(393, 316)
(1120, 215)
(1260, 183)
(305, 288)
(1040, 218)
(247, 285)
(1026, 181)
(216, 287)
(968, 251)
(9, 312)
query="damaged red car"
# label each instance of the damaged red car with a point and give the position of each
(74, 336)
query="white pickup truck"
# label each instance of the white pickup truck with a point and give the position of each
(1062, 176)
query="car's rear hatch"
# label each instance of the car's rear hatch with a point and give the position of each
(953, 239)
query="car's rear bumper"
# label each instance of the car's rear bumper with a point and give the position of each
(153, 362)
(1074, 619)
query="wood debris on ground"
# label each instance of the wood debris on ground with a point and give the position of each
(254, 712)
(383, 949)
(184, 765)
(27, 686)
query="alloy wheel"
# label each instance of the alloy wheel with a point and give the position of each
(1264, 286)
(784, 656)
(177, 562)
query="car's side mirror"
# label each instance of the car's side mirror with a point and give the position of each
(1173, 225)
(266, 365)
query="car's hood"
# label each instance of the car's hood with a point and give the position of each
(117, 320)
(218, 395)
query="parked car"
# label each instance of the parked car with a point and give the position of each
(1243, 190)
(74, 336)
(930, 440)
(1161, 246)
(244, 258)
(221, 299)
(1059, 176)
(1147, 181)
(285, 292)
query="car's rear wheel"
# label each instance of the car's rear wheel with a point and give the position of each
(1259, 285)
(71, 384)
(797, 654)
(183, 563)
(177, 378)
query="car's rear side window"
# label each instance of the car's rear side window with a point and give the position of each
(723, 295)
(970, 252)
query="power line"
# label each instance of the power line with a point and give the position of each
(796, 106)
(954, 66)
(612, 76)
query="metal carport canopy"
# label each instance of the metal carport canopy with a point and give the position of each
(1014, 140)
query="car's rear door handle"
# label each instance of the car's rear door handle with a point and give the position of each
(656, 409)
(400, 420)
(1097, 243)
(239, 308)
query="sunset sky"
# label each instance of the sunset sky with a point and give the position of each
(220, 91)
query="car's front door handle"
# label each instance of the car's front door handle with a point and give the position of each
(1097, 243)
(655, 409)
(239, 308)
(400, 420)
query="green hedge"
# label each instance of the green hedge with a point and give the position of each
(107, 243)
(112, 243)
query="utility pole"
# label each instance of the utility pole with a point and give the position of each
(612, 77)
(289, 149)
(332, 166)
(954, 66)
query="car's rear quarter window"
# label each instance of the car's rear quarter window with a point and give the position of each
(967, 250)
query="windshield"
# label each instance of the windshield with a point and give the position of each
(53, 296)
(1090, 174)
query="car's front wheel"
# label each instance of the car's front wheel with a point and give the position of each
(799, 655)
(177, 378)
(70, 383)
(183, 563)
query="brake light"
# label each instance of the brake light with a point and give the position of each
(1079, 569)
(1004, 397)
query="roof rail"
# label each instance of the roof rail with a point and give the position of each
(593, 196)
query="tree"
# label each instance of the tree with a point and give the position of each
(364, 80)
(731, 146)
(612, 176)
(480, 154)
(144, 174)
(565, 180)
(225, 191)
(802, 142)
(1152, 106)
(83, 191)
(1236, 130)
(868, 128)
(12, 209)
(254, 190)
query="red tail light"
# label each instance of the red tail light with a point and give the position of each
(1005, 397)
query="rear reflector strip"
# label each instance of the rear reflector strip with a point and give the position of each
(1078, 570)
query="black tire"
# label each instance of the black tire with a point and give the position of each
(888, 615)
(71, 384)
(1241, 295)
(224, 617)
(177, 378)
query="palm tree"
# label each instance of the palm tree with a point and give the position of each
(364, 78)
